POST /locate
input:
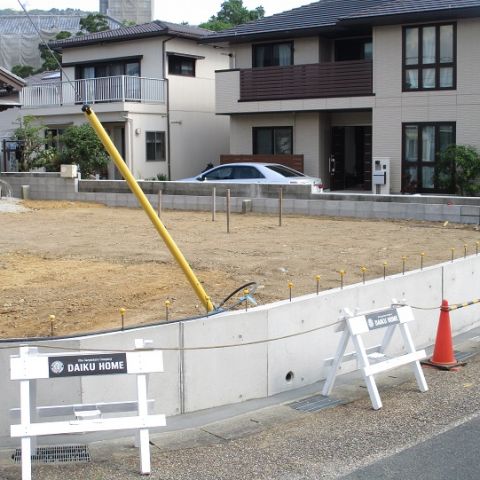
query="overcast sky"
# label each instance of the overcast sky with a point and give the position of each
(191, 11)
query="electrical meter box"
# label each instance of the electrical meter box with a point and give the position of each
(68, 171)
(381, 175)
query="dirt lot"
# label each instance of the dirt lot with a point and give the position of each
(82, 262)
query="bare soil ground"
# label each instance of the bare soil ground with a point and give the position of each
(83, 262)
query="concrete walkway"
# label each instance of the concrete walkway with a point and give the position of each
(279, 442)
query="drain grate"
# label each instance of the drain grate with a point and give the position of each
(56, 454)
(315, 403)
(462, 356)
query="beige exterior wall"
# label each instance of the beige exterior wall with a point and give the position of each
(306, 50)
(310, 136)
(394, 107)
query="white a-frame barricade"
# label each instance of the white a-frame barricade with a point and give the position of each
(30, 366)
(374, 360)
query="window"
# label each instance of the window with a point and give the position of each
(178, 65)
(109, 69)
(272, 54)
(155, 143)
(53, 138)
(353, 49)
(273, 140)
(429, 61)
(285, 171)
(422, 145)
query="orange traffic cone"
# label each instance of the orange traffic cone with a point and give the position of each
(443, 356)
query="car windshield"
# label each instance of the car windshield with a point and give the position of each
(285, 171)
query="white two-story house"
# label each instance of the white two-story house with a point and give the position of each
(341, 82)
(152, 87)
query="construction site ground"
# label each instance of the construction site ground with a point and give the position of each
(83, 262)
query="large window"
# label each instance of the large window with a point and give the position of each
(178, 65)
(109, 69)
(155, 143)
(429, 57)
(423, 144)
(273, 140)
(272, 54)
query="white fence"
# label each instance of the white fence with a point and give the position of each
(121, 88)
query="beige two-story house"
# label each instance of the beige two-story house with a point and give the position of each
(345, 82)
(152, 87)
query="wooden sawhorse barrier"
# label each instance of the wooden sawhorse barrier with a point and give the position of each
(357, 325)
(30, 366)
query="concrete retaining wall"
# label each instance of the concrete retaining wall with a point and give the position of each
(264, 198)
(252, 352)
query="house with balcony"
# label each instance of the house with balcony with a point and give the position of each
(341, 83)
(153, 88)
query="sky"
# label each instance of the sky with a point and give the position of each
(176, 11)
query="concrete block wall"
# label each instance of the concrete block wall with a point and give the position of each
(236, 356)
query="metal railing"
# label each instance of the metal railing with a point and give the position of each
(121, 88)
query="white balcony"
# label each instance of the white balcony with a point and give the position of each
(121, 88)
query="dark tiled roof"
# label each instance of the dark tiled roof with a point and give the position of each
(402, 7)
(151, 29)
(328, 14)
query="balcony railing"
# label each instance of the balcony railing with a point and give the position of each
(318, 80)
(121, 88)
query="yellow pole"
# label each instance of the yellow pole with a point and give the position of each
(147, 207)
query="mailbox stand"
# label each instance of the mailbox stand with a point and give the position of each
(354, 327)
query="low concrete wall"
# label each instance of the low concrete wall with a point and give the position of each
(264, 198)
(236, 356)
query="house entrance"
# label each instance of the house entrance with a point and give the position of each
(350, 162)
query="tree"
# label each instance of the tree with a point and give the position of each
(81, 146)
(50, 58)
(93, 22)
(31, 152)
(23, 71)
(231, 13)
(460, 165)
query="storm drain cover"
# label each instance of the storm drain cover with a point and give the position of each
(56, 454)
(315, 403)
(462, 356)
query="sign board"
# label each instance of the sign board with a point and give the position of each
(84, 365)
(382, 319)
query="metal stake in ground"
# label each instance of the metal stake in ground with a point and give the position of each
(280, 206)
(404, 259)
(228, 210)
(363, 269)
(452, 250)
(290, 286)
(167, 307)
(342, 274)
(421, 260)
(384, 269)
(214, 203)
(317, 278)
(52, 325)
(159, 206)
(464, 250)
(122, 315)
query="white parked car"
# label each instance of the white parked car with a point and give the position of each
(269, 173)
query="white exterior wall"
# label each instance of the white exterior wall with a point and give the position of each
(197, 135)
(394, 107)
(149, 48)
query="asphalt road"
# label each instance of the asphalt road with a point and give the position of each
(452, 455)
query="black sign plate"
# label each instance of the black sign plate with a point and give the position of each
(81, 365)
(382, 319)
